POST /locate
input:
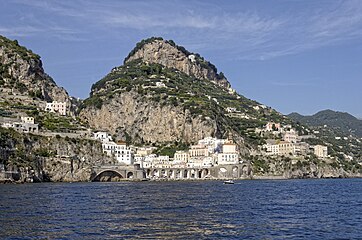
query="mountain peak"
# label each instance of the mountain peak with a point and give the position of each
(169, 54)
(22, 73)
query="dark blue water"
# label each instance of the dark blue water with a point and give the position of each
(293, 209)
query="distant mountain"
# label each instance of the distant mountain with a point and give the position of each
(343, 121)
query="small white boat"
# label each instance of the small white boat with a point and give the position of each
(229, 182)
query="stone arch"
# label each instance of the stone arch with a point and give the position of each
(222, 172)
(178, 173)
(155, 173)
(163, 173)
(148, 173)
(235, 172)
(171, 173)
(185, 173)
(108, 176)
(245, 170)
(204, 173)
(130, 175)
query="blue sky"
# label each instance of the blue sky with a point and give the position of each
(293, 55)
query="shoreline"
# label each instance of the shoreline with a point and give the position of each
(6, 181)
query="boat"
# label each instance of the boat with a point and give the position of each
(228, 182)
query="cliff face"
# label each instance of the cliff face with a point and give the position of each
(21, 71)
(170, 55)
(50, 158)
(144, 120)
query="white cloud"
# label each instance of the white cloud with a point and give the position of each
(239, 33)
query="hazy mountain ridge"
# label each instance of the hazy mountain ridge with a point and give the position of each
(344, 122)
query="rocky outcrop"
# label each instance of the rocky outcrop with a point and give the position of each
(39, 158)
(169, 55)
(22, 71)
(147, 121)
(284, 168)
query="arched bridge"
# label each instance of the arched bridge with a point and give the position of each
(109, 173)
(114, 173)
(219, 172)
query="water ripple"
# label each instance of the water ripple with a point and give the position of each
(295, 209)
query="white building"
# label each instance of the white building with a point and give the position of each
(57, 107)
(321, 151)
(271, 147)
(229, 154)
(213, 144)
(286, 148)
(271, 126)
(230, 109)
(102, 136)
(161, 162)
(290, 136)
(199, 151)
(160, 84)
(120, 150)
(144, 151)
(192, 58)
(208, 162)
(195, 162)
(26, 125)
(279, 148)
(181, 157)
(27, 120)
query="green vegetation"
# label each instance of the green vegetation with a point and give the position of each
(260, 166)
(56, 123)
(25, 53)
(170, 148)
(36, 94)
(340, 121)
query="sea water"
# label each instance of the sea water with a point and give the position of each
(248, 209)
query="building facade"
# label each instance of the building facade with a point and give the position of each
(57, 107)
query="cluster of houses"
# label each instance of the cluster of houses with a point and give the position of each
(208, 152)
(26, 124)
(290, 144)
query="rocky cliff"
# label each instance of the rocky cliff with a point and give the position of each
(147, 121)
(50, 158)
(168, 54)
(21, 72)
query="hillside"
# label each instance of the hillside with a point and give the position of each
(22, 74)
(156, 100)
(162, 96)
(340, 121)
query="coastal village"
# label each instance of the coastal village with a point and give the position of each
(206, 153)
(157, 119)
